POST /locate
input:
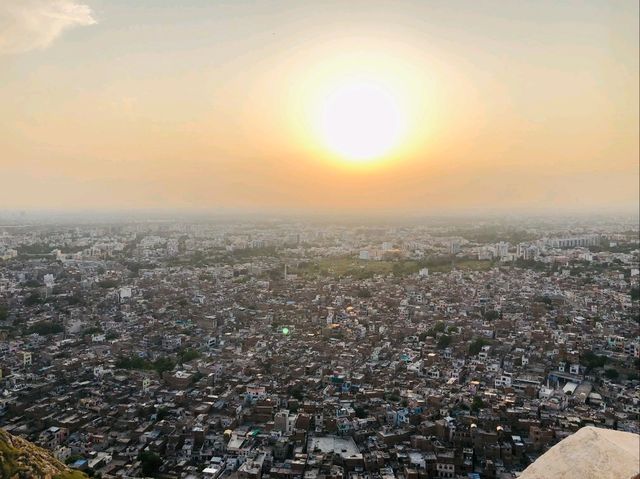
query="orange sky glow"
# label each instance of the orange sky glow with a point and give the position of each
(363, 106)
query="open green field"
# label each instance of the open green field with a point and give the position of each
(462, 264)
(341, 267)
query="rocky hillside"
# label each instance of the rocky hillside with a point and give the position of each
(20, 459)
(590, 453)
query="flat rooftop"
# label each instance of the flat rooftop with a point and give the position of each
(346, 447)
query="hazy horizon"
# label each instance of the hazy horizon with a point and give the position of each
(231, 107)
(38, 216)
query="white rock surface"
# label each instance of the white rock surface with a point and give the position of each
(590, 453)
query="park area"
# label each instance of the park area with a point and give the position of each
(362, 269)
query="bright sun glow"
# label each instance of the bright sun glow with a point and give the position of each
(361, 108)
(361, 121)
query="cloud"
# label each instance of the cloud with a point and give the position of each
(34, 24)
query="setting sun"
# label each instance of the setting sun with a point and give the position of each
(296, 106)
(361, 121)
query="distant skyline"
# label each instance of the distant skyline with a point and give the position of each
(521, 106)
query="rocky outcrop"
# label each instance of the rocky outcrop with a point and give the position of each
(20, 459)
(590, 453)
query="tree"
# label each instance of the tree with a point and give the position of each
(444, 341)
(163, 364)
(361, 412)
(92, 330)
(75, 300)
(439, 327)
(491, 315)
(611, 373)
(45, 328)
(151, 463)
(188, 354)
(4, 313)
(476, 346)
(297, 392)
(592, 360)
(108, 283)
(136, 362)
(133, 362)
(477, 403)
(72, 458)
(32, 299)
(161, 413)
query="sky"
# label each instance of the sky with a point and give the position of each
(240, 106)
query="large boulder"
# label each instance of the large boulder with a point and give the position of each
(590, 453)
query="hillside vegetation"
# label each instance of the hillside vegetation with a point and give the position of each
(20, 459)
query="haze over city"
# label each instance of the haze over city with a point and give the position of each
(333, 107)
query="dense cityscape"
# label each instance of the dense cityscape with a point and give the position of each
(316, 350)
